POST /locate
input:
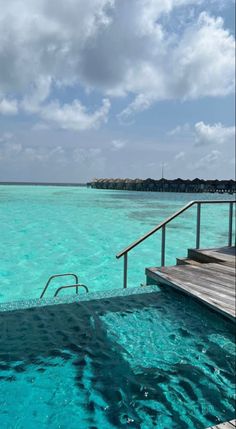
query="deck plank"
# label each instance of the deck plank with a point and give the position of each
(221, 268)
(222, 255)
(205, 283)
(211, 281)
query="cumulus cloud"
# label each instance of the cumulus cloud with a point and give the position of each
(141, 102)
(118, 144)
(35, 154)
(41, 38)
(208, 161)
(11, 150)
(202, 134)
(180, 155)
(8, 107)
(180, 129)
(206, 134)
(118, 48)
(197, 63)
(204, 60)
(5, 137)
(198, 140)
(39, 92)
(75, 116)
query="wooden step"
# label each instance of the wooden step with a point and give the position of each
(187, 261)
(213, 283)
(222, 255)
(207, 275)
(221, 269)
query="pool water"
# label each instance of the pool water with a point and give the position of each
(154, 359)
(52, 229)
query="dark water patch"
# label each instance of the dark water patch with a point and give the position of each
(146, 215)
(127, 388)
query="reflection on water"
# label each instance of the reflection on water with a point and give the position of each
(77, 365)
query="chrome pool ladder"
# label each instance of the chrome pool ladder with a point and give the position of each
(75, 285)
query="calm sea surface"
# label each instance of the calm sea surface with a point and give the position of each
(48, 229)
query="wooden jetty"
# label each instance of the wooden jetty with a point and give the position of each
(226, 425)
(206, 274)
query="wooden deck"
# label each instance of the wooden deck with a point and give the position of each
(207, 274)
(226, 425)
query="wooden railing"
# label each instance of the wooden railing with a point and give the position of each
(163, 224)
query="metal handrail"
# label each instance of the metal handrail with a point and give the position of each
(163, 224)
(69, 286)
(58, 275)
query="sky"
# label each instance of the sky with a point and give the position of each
(116, 88)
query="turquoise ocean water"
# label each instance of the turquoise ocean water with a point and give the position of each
(144, 358)
(48, 229)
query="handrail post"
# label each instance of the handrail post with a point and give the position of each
(230, 223)
(125, 269)
(198, 225)
(163, 245)
(162, 226)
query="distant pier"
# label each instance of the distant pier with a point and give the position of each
(165, 185)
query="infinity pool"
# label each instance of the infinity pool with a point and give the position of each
(144, 358)
(52, 229)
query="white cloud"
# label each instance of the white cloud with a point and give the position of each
(116, 47)
(5, 137)
(40, 126)
(204, 60)
(75, 116)
(180, 155)
(39, 93)
(141, 102)
(198, 63)
(85, 154)
(213, 134)
(180, 129)
(197, 139)
(10, 150)
(8, 107)
(72, 116)
(35, 154)
(118, 144)
(208, 161)
(40, 38)
(202, 134)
